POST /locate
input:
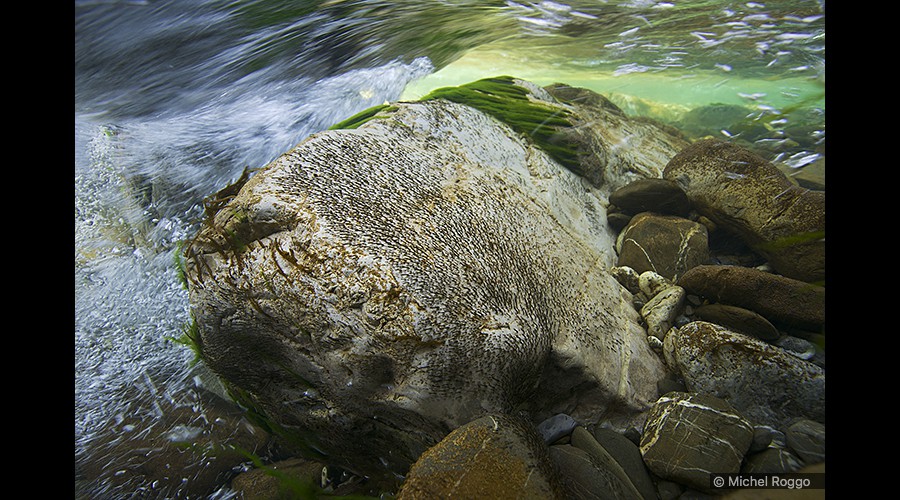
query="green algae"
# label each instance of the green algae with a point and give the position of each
(190, 338)
(502, 99)
(363, 116)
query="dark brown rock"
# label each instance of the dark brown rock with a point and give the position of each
(771, 461)
(688, 436)
(628, 456)
(807, 439)
(651, 195)
(665, 244)
(738, 319)
(588, 477)
(292, 478)
(749, 196)
(779, 299)
(491, 457)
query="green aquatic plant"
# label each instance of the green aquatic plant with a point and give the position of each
(501, 98)
(291, 486)
(190, 338)
(363, 116)
(178, 263)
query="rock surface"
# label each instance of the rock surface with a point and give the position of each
(651, 195)
(377, 287)
(749, 196)
(738, 319)
(779, 299)
(765, 383)
(688, 436)
(665, 244)
(491, 457)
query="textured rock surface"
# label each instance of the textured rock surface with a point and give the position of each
(688, 436)
(665, 244)
(780, 300)
(766, 384)
(651, 195)
(807, 439)
(660, 311)
(748, 195)
(375, 288)
(491, 457)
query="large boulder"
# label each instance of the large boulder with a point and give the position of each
(382, 284)
(750, 197)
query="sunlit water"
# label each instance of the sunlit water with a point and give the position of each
(173, 99)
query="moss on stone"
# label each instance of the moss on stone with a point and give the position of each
(363, 116)
(509, 103)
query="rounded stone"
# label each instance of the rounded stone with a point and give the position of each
(762, 381)
(651, 195)
(807, 439)
(738, 319)
(781, 300)
(492, 457)
(746, 194)
(665, 244)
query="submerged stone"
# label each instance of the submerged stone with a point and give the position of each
(688, 436)
(375, 288)
(751, 198)
(491, 457)
(765, 383)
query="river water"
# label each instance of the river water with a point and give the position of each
(173, 99)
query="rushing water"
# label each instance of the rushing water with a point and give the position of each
(173, 99)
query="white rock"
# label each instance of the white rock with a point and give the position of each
(660, 312)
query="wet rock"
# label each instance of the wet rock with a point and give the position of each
(491, 457)
(591, 474)
(749, 196)
(660, 312)
(651, 195)
(652, 283)
(628, 456)
(602, 160)
(555, 427)
(781, 300)
(618, 220)
(665, 244)
(627, 277)
(811, 176)
(688, 436)
(738, 319)
(771, 461)
(763, 382)
(807, 439)
(762, 438)
(375, 288)
(292, 478)
(801, 348)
